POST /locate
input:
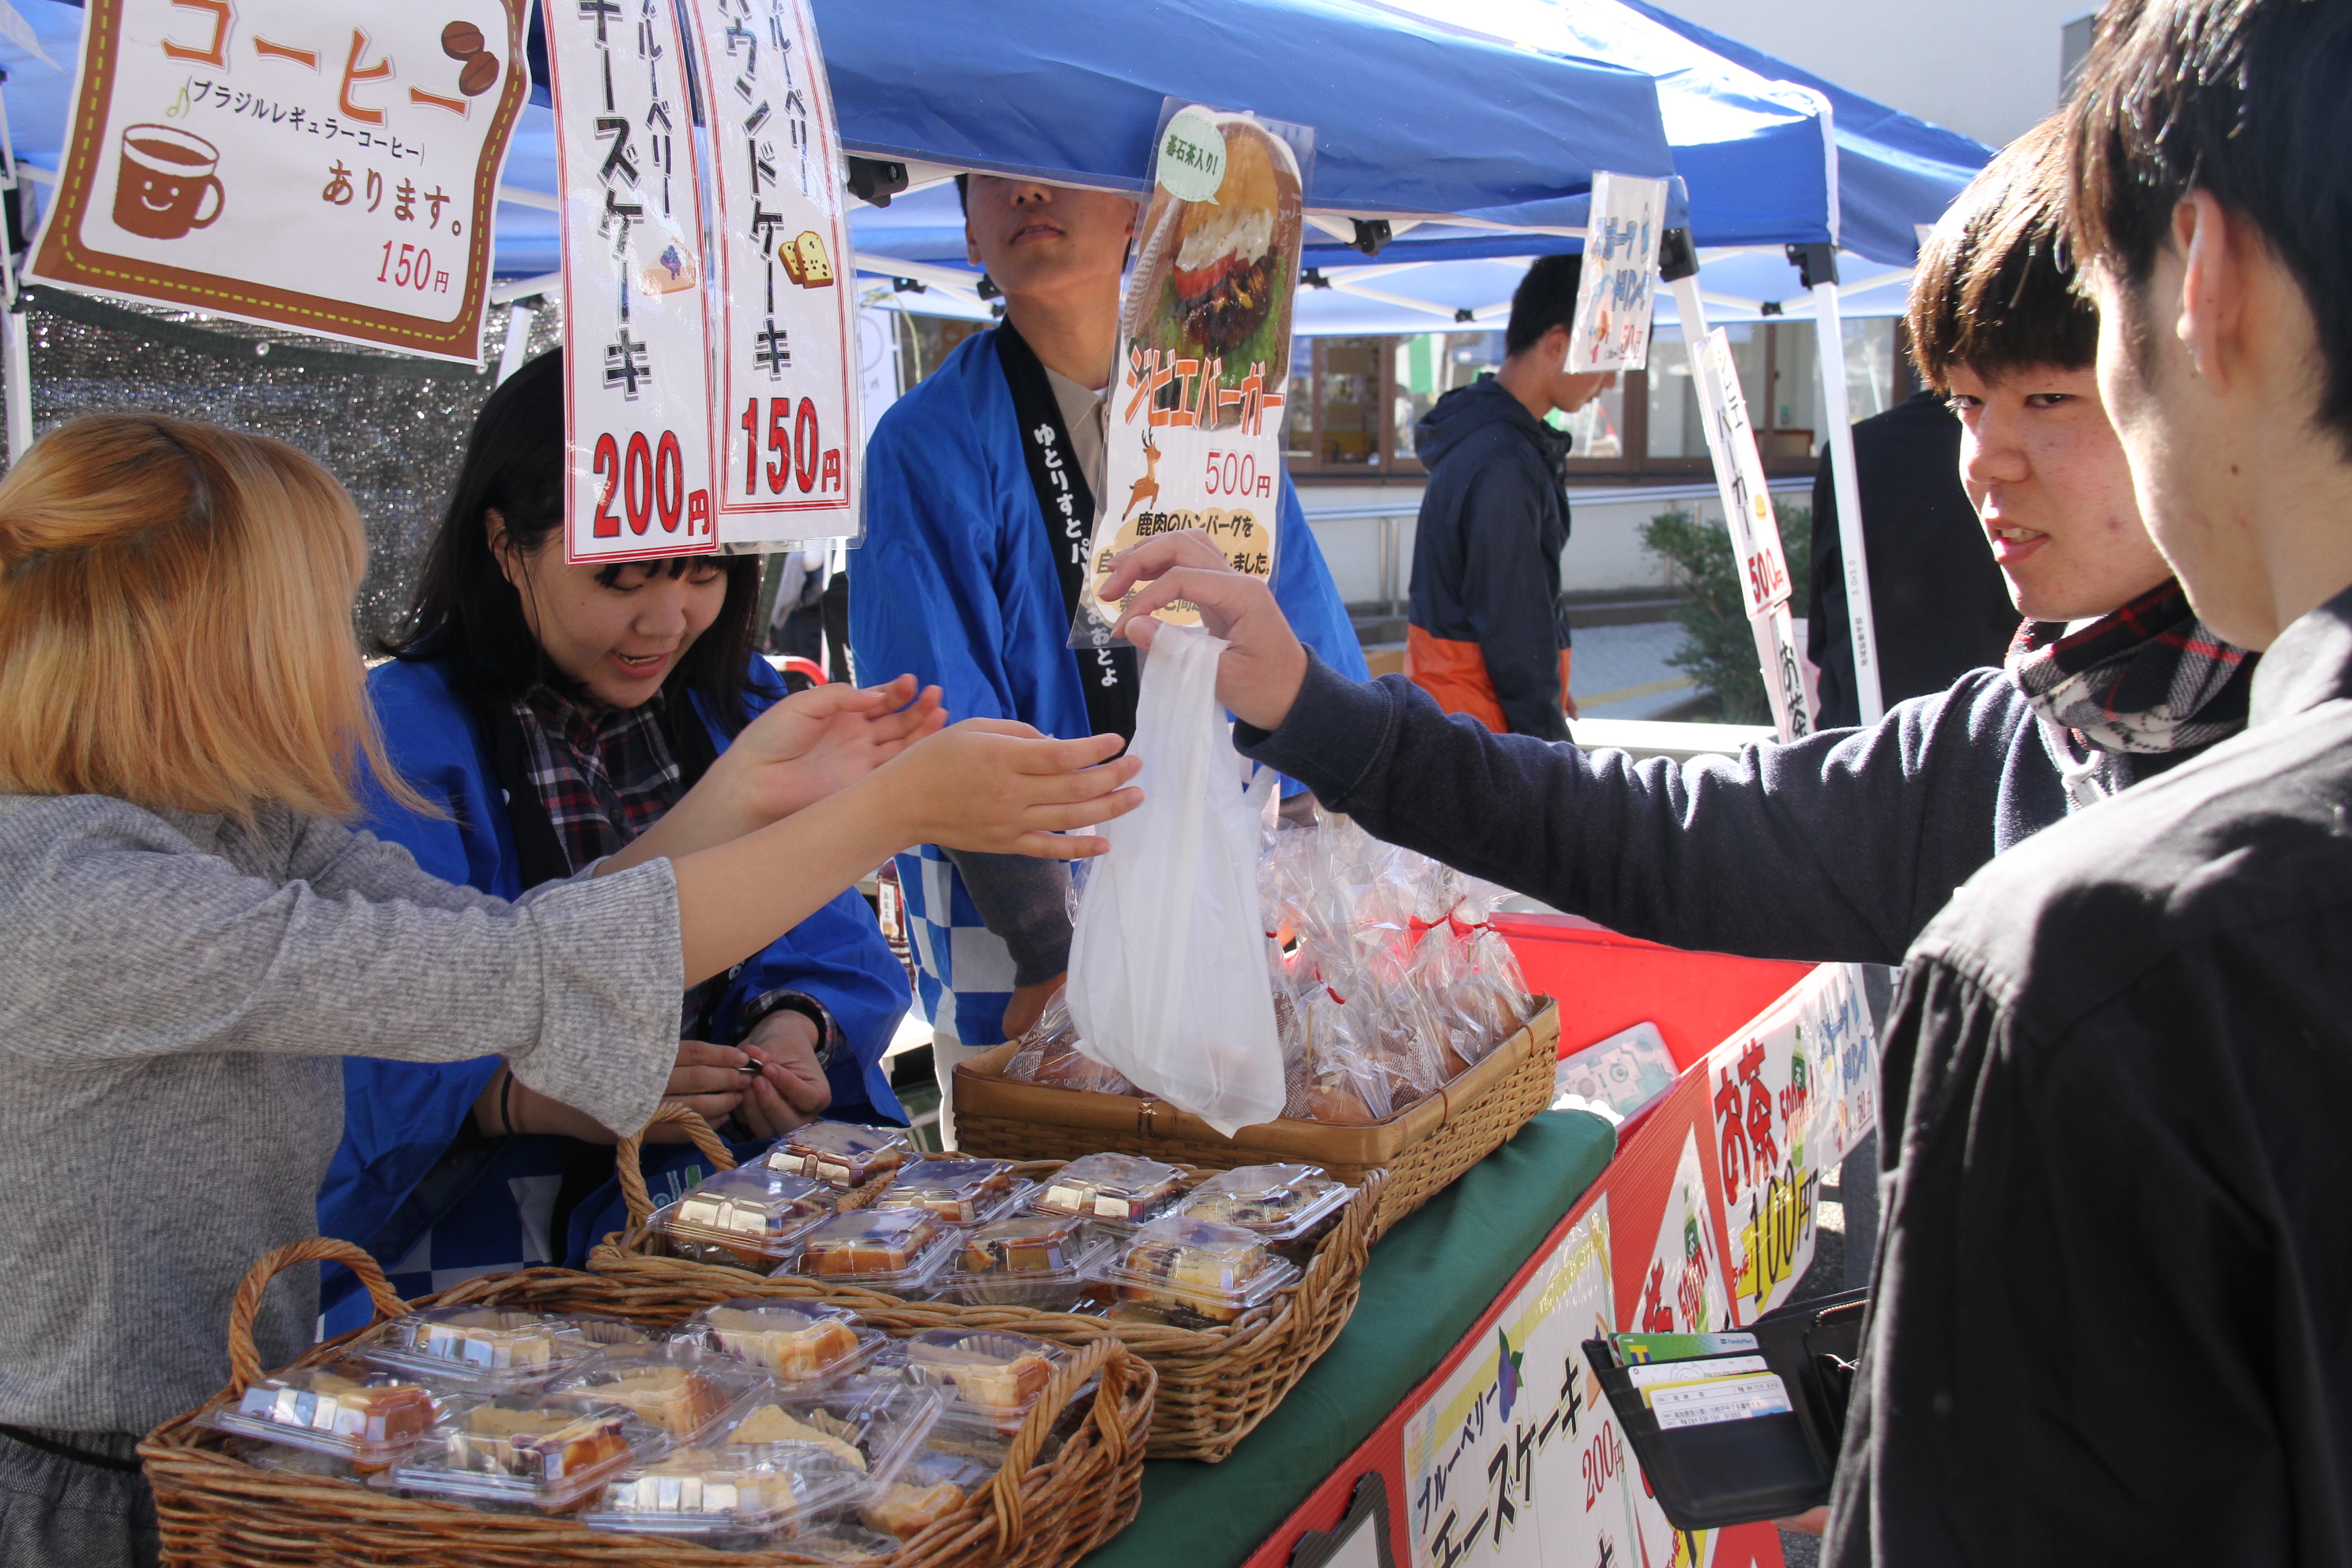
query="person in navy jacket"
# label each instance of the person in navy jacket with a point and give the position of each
(552, 714)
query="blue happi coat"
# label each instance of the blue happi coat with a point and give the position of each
(956, 583)
(401, 1118)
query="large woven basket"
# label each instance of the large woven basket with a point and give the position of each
(216, 1511)
(1424, 1147)
(1215, 1384)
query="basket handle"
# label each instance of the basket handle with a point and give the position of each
(244, 1361)
(632, 1176)
(1106, 1358)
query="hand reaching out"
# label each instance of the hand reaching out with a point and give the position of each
(819, 741)
(1000, 788)
(1259, 673)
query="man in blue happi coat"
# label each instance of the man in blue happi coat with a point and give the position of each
(982, 486)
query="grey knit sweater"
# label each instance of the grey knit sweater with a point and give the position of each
(175, 993)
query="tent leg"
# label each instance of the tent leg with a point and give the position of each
(17, 367)
(1836, 410)
(519, 319)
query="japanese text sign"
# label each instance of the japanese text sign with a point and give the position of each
(636, 315)
(1202, 372)
(327, 165)
(1755, 532)
(1617, 288)
(787, 420)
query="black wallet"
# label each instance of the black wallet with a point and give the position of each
(1763, 1466)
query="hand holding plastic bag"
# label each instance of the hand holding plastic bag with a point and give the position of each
(1168, 968)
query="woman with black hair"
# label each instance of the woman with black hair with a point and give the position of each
(553, 712)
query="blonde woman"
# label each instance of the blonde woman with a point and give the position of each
(193, 935)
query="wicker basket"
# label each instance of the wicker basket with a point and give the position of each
(1215, 1384)
(215, 1510)
(1424, 1148)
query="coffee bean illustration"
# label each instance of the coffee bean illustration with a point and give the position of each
(461, 40)
(481, 73)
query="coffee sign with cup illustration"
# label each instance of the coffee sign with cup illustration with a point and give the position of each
(325, 165)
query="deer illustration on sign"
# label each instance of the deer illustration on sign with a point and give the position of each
(1148, 487)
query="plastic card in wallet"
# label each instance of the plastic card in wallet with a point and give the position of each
(1741, 1427)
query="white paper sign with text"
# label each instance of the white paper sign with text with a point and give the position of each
(326, 166)
(1617, 289)
(1755, 530)
(786, 421)
(637, 335)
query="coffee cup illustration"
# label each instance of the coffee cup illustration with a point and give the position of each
(166, 184)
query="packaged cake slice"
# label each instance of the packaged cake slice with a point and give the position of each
(368, 1417)
(959, 1192)
(1287, 1206)
(843, 1154)
(896, 1250)
(749, 1218)
(1194, 1273)
(794, 1343)
(680, 1387)
(489, 1350)
(1033, 1260)
(1123, 1188)
(547, 1452)
(988, 1377)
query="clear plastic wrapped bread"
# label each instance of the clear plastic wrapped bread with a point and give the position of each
(957, 1192)
(366, 1418)
(489, 1349)
(749, 1218)
(796, 1343)
(1126, 1189)
(842, 1154)
(1194, 1273)
(1049, 1055)
(896, 1250)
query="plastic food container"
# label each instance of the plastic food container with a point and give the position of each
(750, 1218)
(489, 1350)
(547, 1452)
(368, 1419)
(794, 1345)
(897, 1250)
(1036, 1260)
(841, 1154)
(1190, 1271)
(933, 1485)
(990, 1378)
(1122, 1188)
(959, 1192)
(679, 1387)
(1289, 1207)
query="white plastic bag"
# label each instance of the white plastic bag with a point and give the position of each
(1167, 973)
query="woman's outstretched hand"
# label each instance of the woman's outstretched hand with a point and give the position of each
(1259, 674)
(825, 739)
(1000, 788)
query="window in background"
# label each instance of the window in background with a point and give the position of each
(1870, 364)
(1793, 423)
(1431, 365)
(1350, 377)
(1299, 403)
(1598, 429)
(1675, 430)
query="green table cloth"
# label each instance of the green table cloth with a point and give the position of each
(1427, 1283)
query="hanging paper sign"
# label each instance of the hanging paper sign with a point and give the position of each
(1203, 364)
(1755, 532)
(786, 417)
(326, 166)
(638, 337)
(1616, 290)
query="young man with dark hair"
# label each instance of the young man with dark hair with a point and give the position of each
(1488, 635)
(972, 565)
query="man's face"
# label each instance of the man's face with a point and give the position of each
(1035, 239)
(1569, 392)
(2053, 492)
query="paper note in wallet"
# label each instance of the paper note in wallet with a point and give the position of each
(1713, 1399)
(1657, 1374)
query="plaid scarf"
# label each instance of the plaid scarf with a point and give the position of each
(2149, 677)
(604, 779)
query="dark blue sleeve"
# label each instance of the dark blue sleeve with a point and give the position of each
(1841, 846)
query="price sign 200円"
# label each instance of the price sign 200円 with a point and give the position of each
(708, 398)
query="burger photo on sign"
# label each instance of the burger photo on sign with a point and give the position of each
(1214, 278)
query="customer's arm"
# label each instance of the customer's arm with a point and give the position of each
(1840, 847)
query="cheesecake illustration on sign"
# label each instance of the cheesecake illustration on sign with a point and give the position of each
(806, 261)
(672, 270)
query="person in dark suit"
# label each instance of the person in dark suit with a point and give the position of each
(1939, 603)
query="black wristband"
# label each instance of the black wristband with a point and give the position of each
(760, 1007)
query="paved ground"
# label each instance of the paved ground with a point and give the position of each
(1620, 672)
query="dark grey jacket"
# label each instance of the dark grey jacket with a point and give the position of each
(1840, 846)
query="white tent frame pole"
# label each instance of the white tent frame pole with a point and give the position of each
(1690, 305)
(1837, 410)
(16, 365)
(518, 321)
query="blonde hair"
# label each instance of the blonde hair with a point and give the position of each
(175, 622)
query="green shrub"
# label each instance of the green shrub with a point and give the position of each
(1719, 649)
